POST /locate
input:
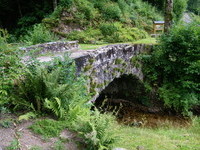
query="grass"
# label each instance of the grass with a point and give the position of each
(48, 127)
(95, 46)
(162, 138)
(91, 46)
(146, 41)
(168, 138)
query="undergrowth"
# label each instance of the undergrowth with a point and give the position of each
(48, 127)
(38, 34)
(173, 68)
(106, 20)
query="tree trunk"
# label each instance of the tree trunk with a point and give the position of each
(168, 15)
(55, 3)
(19, 8)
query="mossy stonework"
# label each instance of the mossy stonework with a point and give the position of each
(109, 62)
(102, 65)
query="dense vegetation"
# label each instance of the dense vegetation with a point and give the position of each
(173, 68)
(88, 21)
(194, 6)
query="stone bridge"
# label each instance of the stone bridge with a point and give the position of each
(102, 65)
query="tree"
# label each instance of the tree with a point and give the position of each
(55, 3)
(168, 15)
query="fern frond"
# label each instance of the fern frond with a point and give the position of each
(55, 106)
(27, 116)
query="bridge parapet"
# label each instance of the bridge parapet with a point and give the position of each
(52, 47)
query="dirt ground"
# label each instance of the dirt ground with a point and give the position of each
(127, 113)
(28, 140)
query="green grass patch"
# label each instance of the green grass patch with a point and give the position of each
(146, 41)
(96, 46)
(98, 127)
(91, 46)
(48, 127)
(168, 138)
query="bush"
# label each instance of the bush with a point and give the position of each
(66, 3)
(193, 6)
(88, 36)
(50, 88)
(48, 127)
(174, 67)
(87, 8)
(179, 8)
(10, 69)
(108, 29)
(98, 130)
(111, 11)
(39, 34)
(117, 33)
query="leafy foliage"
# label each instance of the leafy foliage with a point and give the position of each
(95, 18)
(111, 11)
(87, 36)
(48, 127)
(97, 129)
(39, 34)
(193, 5)
(50, 87)
(179, 8)
(174, 66)
(10, 68)
(108, 32)
(18, 15)
(27, 116)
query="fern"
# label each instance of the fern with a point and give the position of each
(56, 106)
(27, 116)
(50, 87)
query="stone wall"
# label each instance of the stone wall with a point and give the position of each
(52, 47)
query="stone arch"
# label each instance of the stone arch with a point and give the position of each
(103, 65)
(128, 87)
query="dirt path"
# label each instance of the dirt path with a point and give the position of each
(28, 140)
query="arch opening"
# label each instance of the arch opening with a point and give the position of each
(130, 101)
(127, 87)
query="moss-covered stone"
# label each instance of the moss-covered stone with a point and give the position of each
(87, 67)
(91, 61)
(118, 61)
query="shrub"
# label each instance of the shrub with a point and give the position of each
(174, 67)
(98, 130)
(111, 11)
(108, 29)
(124, 7)
(50, 88)
(117, 33)
(10, 69)
(179, 8)
(87, 8)
(193, 6)
(39, 34)
(66, 3)
(88, 36)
